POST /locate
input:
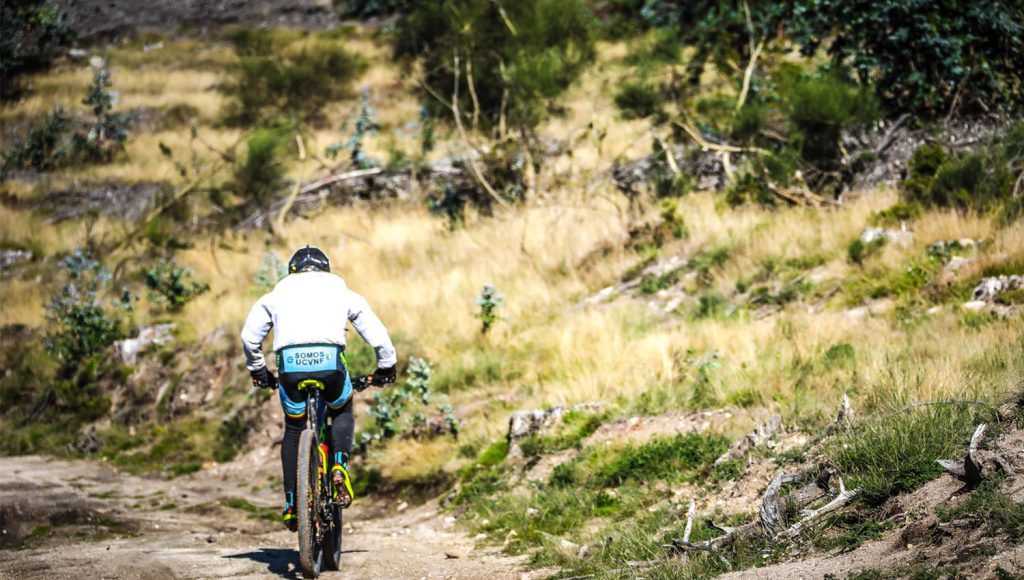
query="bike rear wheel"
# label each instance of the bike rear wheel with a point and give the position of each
(308, 496)
(332, 540)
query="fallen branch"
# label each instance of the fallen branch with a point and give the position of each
(969, 469)
(669, 157)
(890, 134)
(708, 146)
(762, 433)
(769, 515)
(842, 421)
(838, 502)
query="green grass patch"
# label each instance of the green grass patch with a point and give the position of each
(258, 513)
(575, 427)
(895, 452)
(988, 506)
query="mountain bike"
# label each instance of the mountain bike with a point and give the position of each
(319, 514)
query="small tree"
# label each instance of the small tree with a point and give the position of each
(108, 132)
(261, 174)
(81, 320)
(489, 301)
(366, 125)
(172, 286)
(510, 58)
(281, 74)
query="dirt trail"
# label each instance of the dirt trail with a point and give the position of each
(84, 519)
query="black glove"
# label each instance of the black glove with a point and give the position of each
(385, 376)
(262, 378)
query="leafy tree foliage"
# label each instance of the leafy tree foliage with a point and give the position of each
(512, 56)
(284, 74)
(262, 173)
(923, 55)
(31, 33)
(109, 131)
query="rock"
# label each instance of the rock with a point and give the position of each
(974, 305)
(957, 262)
(78, 54)
(402, 506)
(532, 512)
(454, 554)
(901, 237)
(917, 532)
(523, 424)
(989, 288)
(130, 348)
(9, 258)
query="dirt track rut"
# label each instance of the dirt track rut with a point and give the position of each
(90, 521)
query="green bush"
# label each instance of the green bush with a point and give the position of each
(820, 106)
(32, 33)
(45, 147)
(858, 251)
(108, 132)
(172, 286)
(982, 180)
(281, 74)
(638, 100)
(261, 175)
(80, 321)
(521, 54)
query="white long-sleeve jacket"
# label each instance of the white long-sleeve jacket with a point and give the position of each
(313, 308)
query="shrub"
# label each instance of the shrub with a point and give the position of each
(81, 323)
(489, 302)
(172, 286)
(522, 54)
(981, 180)
(638, 99)
(365, 125)
(858, 251)
(45, 147)
(32, 32)
(272, 270)
(280, 74)
(261, 175)
(820, 106)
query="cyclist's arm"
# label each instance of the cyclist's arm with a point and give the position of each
(257, 326)
(372, 330)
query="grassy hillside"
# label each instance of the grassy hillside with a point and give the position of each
(758, 309)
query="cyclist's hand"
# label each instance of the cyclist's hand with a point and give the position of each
(262, 378)
(386, 376)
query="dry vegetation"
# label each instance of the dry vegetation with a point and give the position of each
(547, 257)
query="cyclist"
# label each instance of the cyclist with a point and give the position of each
(308, 311)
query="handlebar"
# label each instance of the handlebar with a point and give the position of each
(360, 384)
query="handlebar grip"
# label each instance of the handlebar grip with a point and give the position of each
(360, 384)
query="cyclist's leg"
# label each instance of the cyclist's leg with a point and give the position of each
(294, 424)
(338, 394)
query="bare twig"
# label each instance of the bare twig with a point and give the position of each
(769, 514)
(475, 169)
(842, 421)
(332, 179)
(762, 433)
(749, 73)
(472, 91)
(669, 157)
(706, 145)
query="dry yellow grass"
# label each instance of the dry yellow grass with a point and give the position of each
(422, 278)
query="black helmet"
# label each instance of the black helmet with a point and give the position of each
(309, 258)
